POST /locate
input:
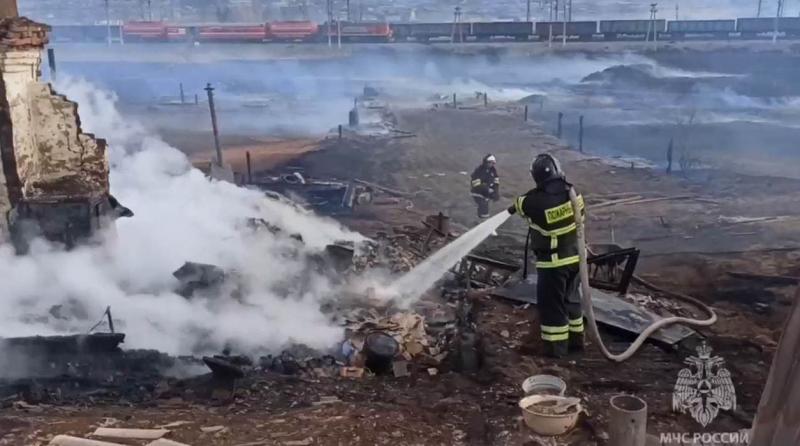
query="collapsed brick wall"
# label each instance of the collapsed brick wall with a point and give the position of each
(44, 153)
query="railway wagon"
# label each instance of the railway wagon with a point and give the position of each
(178, 33)
(427, 31)
(144, 31)
(291, 31)
(360, 32)
(761, 25)
(575, 30)
(512, 30)
(401, 31)
(701, 26)
(231, 33)
(82, 33)
(631, 26)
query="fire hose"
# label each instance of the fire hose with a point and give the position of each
(586, 301)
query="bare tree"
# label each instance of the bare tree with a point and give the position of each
(684, 131)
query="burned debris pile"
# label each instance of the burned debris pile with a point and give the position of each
(82, 369)
(379, 338)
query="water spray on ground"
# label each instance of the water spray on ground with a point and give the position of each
(412, 285)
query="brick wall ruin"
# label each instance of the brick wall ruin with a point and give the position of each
(45, 156)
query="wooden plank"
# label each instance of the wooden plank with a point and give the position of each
(777, 422)
(141, 434)
(68, 440)
(8, 8)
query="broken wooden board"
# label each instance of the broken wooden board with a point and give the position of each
(68, 440)
(143, 434)
(608, 310)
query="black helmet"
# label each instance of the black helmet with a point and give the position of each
(545, 168)
(489, 158)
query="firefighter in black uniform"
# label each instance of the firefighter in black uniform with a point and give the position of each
(549, 213)
(485, 185)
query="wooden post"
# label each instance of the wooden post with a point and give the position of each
(627, 421)
(196, 100)
(485, 99)
(183, 98)
(776, 422)
(526, 113)
(249, 168)
(558, 130)
(210, 90)
(455, 104)
(340, 131)
(8, 8)
(580, 134)
(51, 61)
(669, 157)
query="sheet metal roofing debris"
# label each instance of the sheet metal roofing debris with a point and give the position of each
(610, 310)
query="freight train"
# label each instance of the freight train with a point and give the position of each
(308, 31)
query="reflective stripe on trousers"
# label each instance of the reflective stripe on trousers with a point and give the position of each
(555, 333)
(576, 325)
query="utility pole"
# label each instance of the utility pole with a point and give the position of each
(651, 26)
(564, 25)
(556, 11)
(330, 19)
(108, 25)
(758, 12)
(777, 19)
(457, 26)
(149, 11)
(569, 19)
(348, 10)
(210, 90)
(677, 7)
(528, 12)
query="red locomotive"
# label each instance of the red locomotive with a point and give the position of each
(301, 31)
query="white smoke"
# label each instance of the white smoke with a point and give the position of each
(180, 215)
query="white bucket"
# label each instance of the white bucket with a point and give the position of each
(544, 385)
(550, 414)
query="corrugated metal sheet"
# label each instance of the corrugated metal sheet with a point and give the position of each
(690, 26)
(631, 26)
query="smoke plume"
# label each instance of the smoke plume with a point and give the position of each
(180, 215)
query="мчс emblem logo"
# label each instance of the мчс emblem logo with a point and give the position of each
(704, 388)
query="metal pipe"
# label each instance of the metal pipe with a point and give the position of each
(627, 421)
(210, 90)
